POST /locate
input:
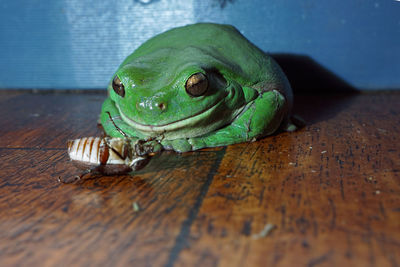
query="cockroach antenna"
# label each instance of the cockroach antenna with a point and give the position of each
(116, 127)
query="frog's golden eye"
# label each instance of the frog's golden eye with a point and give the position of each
(118, 86)
(196, 85)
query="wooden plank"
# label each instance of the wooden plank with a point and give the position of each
(92, 222)
(331, 190)
(5, 95)
(48, 120)
(46, 223)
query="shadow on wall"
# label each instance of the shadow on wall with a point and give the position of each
(318, 93)
(307, 76)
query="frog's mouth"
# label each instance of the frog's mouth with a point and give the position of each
(175, 125)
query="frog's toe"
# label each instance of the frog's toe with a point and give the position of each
(167, 144)
(290, 127)
(178, 145)
(294, 123)
(155, 146)
(197, 143)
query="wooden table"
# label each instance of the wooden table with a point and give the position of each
(326, 195)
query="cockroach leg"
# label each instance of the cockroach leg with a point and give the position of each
(116, 127)
(74, 179)
(113, 150)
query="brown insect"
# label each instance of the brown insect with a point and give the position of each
(110, 155)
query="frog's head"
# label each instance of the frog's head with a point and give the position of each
(175, 94)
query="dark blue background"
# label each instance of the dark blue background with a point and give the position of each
(79, 44)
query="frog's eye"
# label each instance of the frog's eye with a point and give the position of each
(197, 84)
(118, 86)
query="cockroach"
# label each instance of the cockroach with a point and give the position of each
(107, 155)
(110, 155)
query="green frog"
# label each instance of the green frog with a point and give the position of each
(197, 86)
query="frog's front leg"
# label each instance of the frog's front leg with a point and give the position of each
(261, 117)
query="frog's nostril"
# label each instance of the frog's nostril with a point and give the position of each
(162, 106)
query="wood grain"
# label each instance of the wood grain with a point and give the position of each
(331, 190)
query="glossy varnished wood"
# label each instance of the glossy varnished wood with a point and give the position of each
(331, 190)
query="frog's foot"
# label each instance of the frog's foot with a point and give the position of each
(152, 146)
(294, 123)
(290, 127)
(184, 144)
(178, 145)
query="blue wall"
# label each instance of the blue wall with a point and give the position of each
(79, 44)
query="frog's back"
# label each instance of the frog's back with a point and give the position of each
(200, 34)
(225, 40)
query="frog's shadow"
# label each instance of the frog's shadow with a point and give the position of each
(319, 94)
